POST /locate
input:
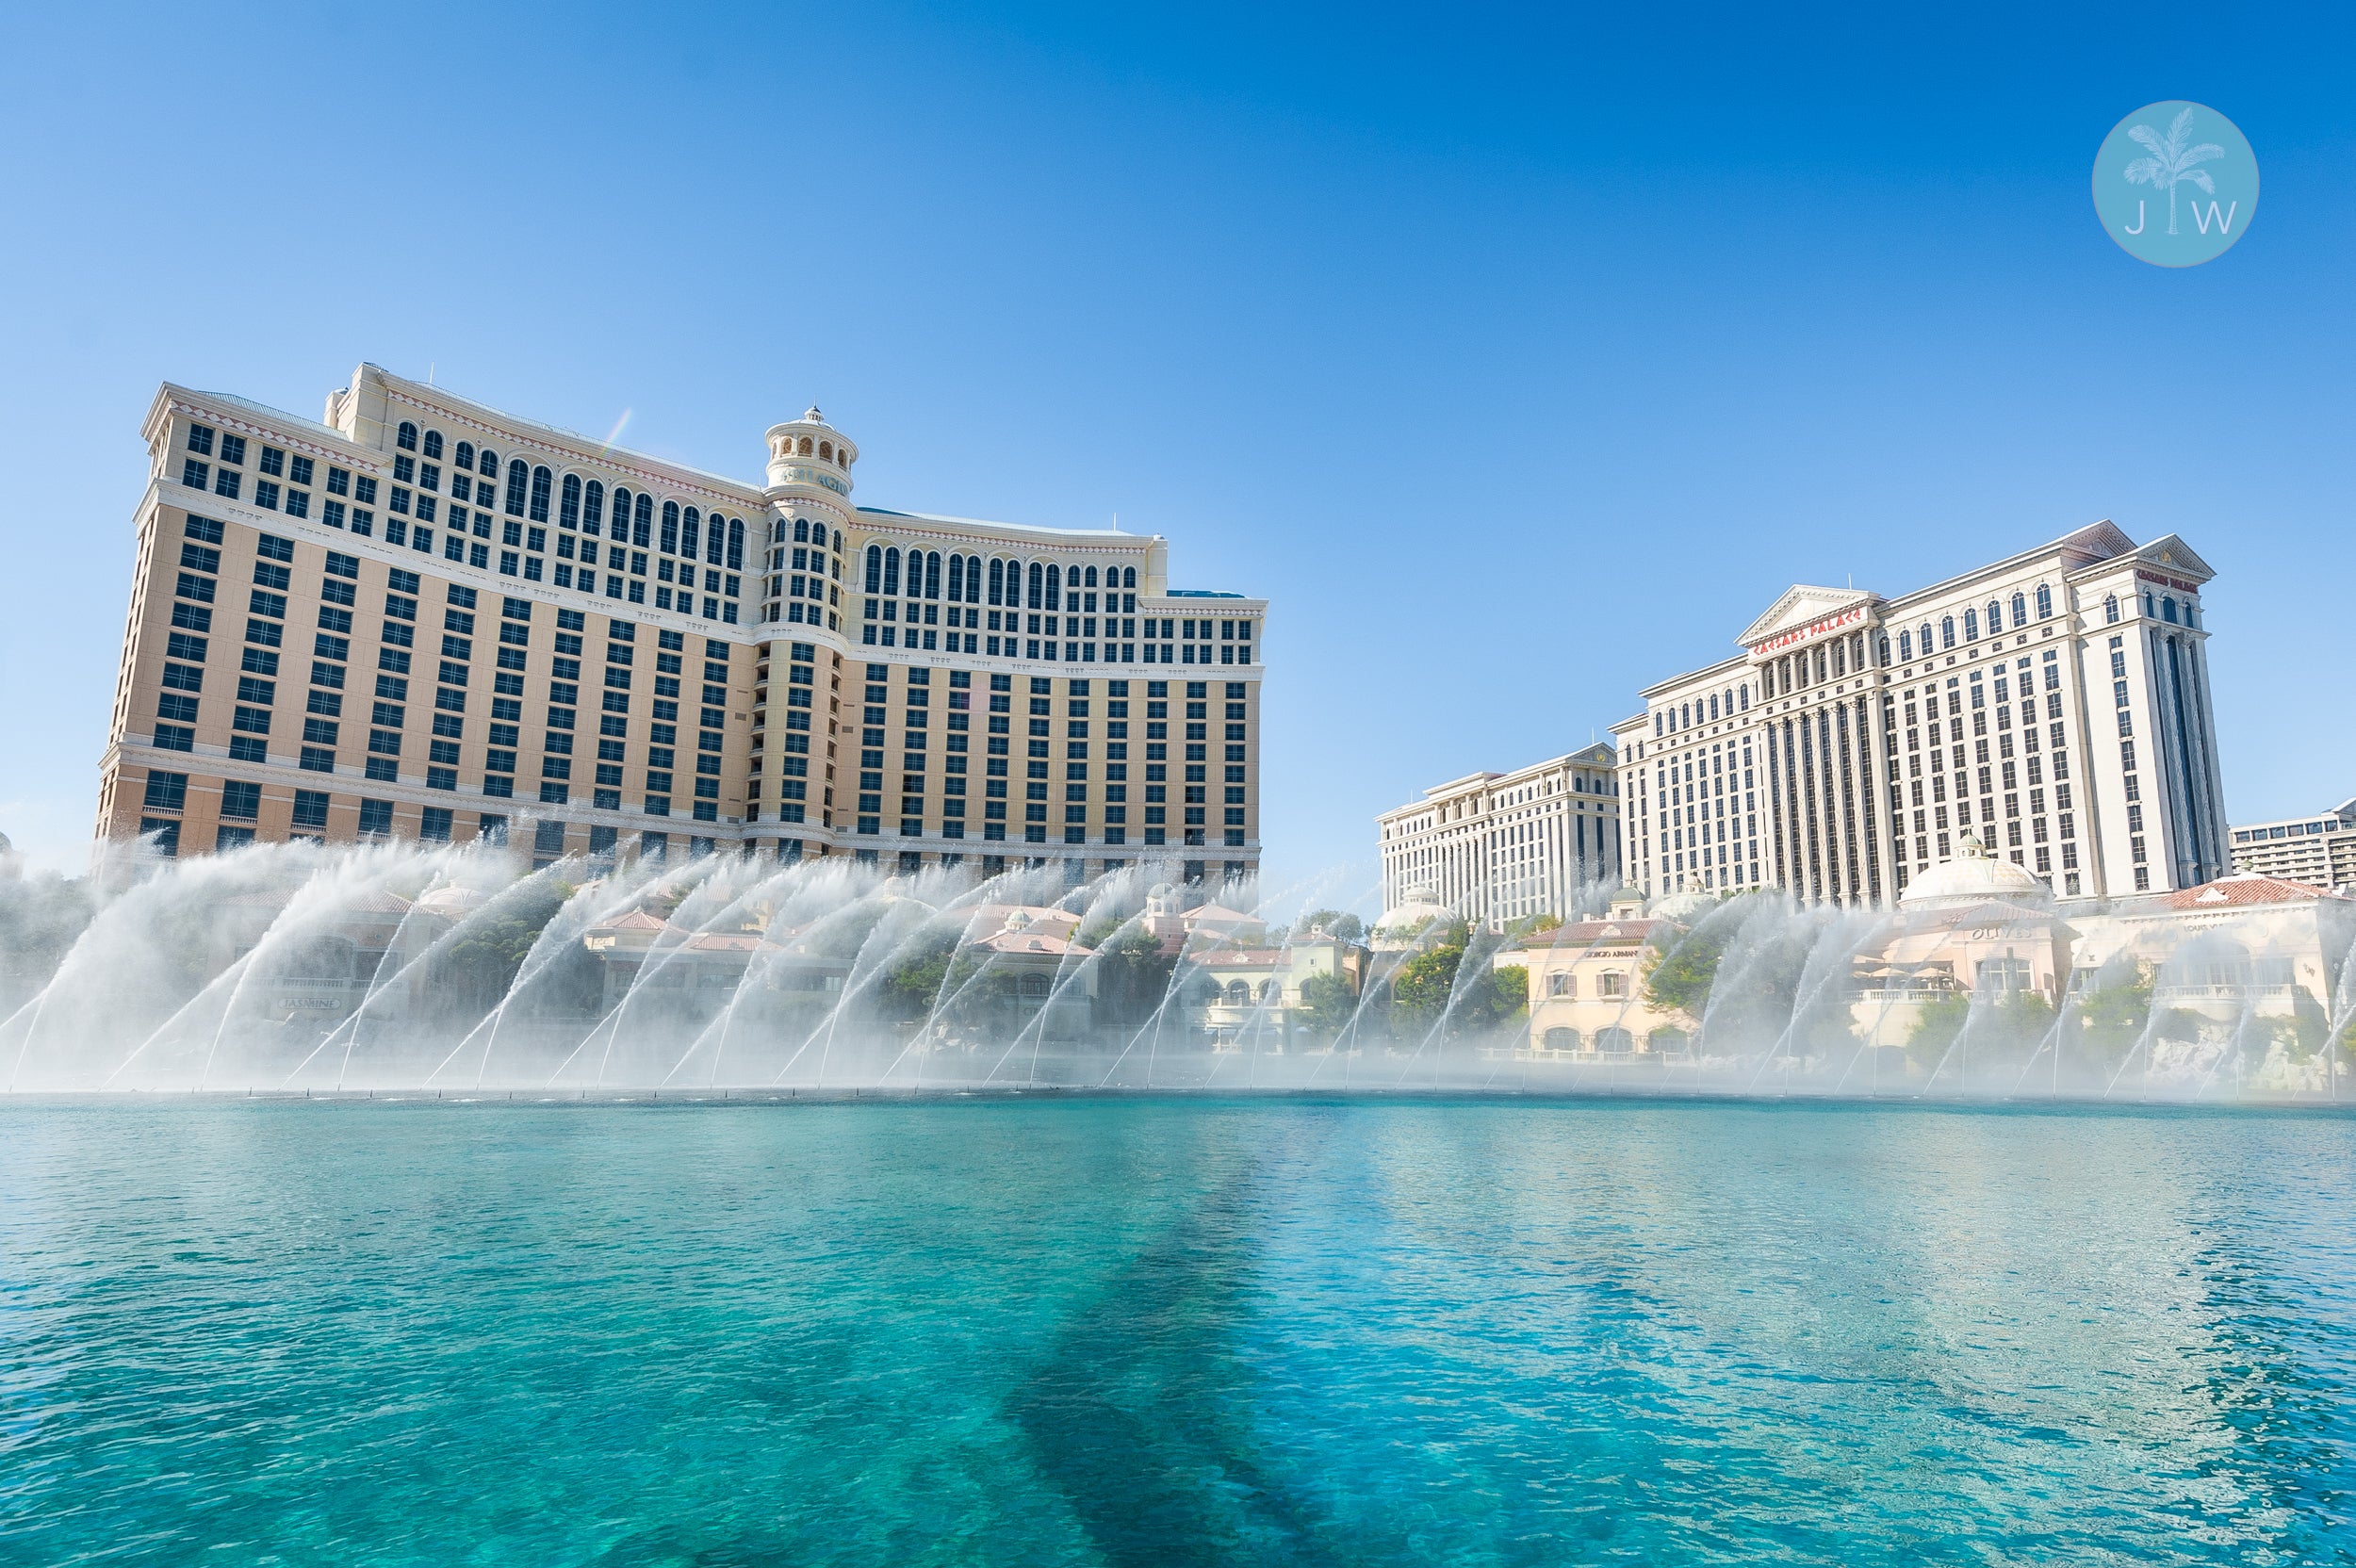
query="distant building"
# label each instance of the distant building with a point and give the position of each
(2321, 849)
(1496, 847)
(1587, 985)
(2054, 703)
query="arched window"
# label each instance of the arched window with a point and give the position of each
(642, 520)
(406, 437)
(2044, 602)
(2020, 610)
(2167, 611)
(825, 451)
(1971, 625)
(1995, 617)
(592, 508)
(486, 463)
(1091, 578)
(569, 503)
(874, 568)
(1923, 639)
(692, 533)
(621, 515)
(818, 536)
(973, 579)
(1128, 577)
(1745, 692)
(801, 530)
(932, 575)
(2147, 611)
(670, 528)
(892, 571)
(1038, 585)
(464, 457)
(1906, 647)
(713, 540)
(997, 579)
(1947, 631)
(805, 447)
(541, 481)
(1883, 650)
(736, 543)
(433, 444)
(518, 479)
(1055, 587)
(1713, 705)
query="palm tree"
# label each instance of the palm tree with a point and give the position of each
(2171, 161)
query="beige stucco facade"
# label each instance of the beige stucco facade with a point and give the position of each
(420, 617)
(1499, 847)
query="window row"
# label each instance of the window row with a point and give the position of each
(1041, 585)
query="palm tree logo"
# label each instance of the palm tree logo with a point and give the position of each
(2172, 160)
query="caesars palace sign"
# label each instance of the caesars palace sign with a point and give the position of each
(1814, 628)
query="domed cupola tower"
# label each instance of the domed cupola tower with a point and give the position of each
(810, 456)
(810, 511)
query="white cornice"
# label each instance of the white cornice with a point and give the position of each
(547, 444)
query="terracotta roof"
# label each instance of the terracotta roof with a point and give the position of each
(1242, 957)
(2242, 890)
(1029, 942)
(1587, 933)
(726, 942)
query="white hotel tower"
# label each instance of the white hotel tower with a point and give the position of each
(2054, 705)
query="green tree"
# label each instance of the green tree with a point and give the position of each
(2114, 1010)
(1508, 1002)
(1334, 922)
(2008, 1030)
(1327, 1005)
(1131, 977)
(1936, 1027)
(913, 983)
(468, 977)
(1421, 986)
(1678, 979)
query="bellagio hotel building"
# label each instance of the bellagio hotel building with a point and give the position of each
(2054, 705)
(422, 618)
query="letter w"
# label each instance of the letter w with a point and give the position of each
(2224, 224)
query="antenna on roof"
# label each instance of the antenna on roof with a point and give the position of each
(429, 373)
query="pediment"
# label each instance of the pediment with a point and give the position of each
(2173, 555)
(1800, 608)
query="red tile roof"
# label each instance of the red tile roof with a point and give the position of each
(2242, 890)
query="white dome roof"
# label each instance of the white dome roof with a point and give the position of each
(1398, 927)
(1974, 876)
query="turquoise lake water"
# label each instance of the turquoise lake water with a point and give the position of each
(1174, 1332)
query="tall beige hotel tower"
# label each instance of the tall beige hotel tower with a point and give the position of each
(422, 618)
(2053, 705)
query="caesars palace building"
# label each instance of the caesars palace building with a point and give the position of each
(2054, 705)
(422, 618)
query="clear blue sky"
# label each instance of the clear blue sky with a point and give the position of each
(1520, 359)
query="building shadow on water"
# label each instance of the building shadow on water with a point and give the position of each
(1139, 1412)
